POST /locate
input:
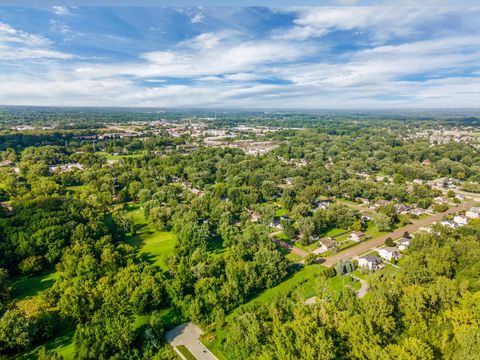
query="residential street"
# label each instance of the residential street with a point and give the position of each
(417, 224)
(188, 335)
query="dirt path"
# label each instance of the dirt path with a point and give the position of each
(368, 245)
(189, 335)
(291, 248)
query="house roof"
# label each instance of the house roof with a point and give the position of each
(371, 259)
(390, 249)
(328, 242)
(358, 233)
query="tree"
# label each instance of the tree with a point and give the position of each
(383, 222)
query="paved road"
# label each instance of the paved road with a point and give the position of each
(189, 335)
(368, 245)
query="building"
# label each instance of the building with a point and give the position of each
(371, 263)
(440, 200)
(473, 213)
(356, 236)
(461, 219)
(404, 243)
(382, 203)
(327, 244)
(389, 253)
(449, 223)
(402, 209)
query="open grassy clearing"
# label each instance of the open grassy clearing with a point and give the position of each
(155, 245)
(26, 287)
(119, 157)
(76, 188)
(185, 352)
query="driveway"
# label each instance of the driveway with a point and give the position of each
(188, 335)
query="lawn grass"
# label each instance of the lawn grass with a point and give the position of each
(31, 286)
(281, 212)
(185, 352)
(293, 257)
(155, 246)
(334, 232)
(373, 232)
(119, 157)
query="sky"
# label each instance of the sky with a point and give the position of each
(328, 57)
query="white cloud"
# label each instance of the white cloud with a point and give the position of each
(16, 45)
(61, 10)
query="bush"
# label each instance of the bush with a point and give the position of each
(32, 265)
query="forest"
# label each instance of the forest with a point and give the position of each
(99, 260)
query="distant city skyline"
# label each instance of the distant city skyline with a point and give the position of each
(241, 57)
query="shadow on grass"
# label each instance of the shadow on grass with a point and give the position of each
(31, 286)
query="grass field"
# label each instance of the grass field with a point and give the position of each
(281, 212)
(185, 352)
(26, 287)
(156, 246)
(118, 157)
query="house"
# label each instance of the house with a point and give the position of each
(356, 236)
(382, 202)
(322, 204)
(461, 219)
(402, 209)
(440, 200)
(366, 218)
(404, 243)
(389, 253)
(473, 213)
(418, 211)
(327, 244)
(460, 197)
(276, 224)
(371, 263)
(449, 223)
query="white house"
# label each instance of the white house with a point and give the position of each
(389, 253)
(440, 200)
(451, 224)
(356, 236)
(403, 244)
(461, 219)
(473, 213)
(370, 262)
(325, 245)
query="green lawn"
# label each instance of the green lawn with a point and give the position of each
(26, 287)
(281, 212)
(185, 352)
(62, 344)
(373, 232)
(156, 246)
(334, 232)
(118, 157)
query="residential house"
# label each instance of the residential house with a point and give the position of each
(371, 263)
(418, 211)
(440, 200)
(473, 213)
(404, 243)
(389, 253)
(449, 223)
(460, 197)
(327, 244)
(402, 209)
(382, 202)
(461, 219)
(356, 236)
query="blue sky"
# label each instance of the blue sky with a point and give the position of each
(241, 57)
